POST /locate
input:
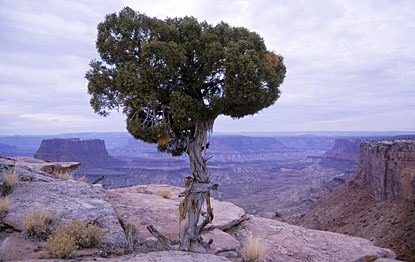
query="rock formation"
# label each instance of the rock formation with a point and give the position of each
(345, 149)
(90, 153)
(49, 167)
(377, 203)
(388, 168)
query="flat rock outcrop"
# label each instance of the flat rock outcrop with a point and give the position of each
(286, 242)
(388, 167)
(90, 153)
(143, 206)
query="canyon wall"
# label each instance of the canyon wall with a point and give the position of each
(388, 168)
(91, 152)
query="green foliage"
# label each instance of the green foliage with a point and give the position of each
(168, 75)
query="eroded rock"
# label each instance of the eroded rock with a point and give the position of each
(293, 243)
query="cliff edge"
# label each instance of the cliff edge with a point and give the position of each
(388, 168)
(377, 203)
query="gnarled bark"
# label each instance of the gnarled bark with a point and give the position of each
(197, 192)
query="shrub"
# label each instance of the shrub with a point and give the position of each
(84, 234)
(4, 204)
(37, 223)
(254, 250)
(165, 194)
(9, 182)
(131, 231)
(61, 246)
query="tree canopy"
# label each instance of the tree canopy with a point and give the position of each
(168, 75)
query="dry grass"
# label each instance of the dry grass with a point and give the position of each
(254, 250)
(10, 179)
(165, 194)
(61, 246)
(8, 183)
(131, 232)
(4, 204)
(38, 223)
(84, 234)
(73, 235)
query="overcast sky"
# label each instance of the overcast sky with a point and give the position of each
(350, 63)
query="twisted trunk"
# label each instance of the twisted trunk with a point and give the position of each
(197, 192)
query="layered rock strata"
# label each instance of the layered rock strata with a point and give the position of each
(388, 168)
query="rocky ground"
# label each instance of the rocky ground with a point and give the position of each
(145, 205)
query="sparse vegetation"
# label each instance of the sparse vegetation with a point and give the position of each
(61, 245)
(73, 235)
(254, 250)
(165, 193)
(9, 182)
(131, 231)
(38, 223)
(84, 233)
(4, 205)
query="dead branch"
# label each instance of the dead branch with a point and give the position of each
(98, 180)
(163, 240)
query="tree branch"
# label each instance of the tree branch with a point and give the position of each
(163, 240)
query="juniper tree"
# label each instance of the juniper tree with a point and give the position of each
(172, 78)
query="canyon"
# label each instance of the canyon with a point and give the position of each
(377, 203)
(300, 179)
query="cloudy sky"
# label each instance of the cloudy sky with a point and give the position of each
(350, 63)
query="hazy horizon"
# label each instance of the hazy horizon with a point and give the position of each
(350, 64)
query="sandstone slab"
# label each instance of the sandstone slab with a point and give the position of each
(143, 206)
(67, 200)
(293, 243)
